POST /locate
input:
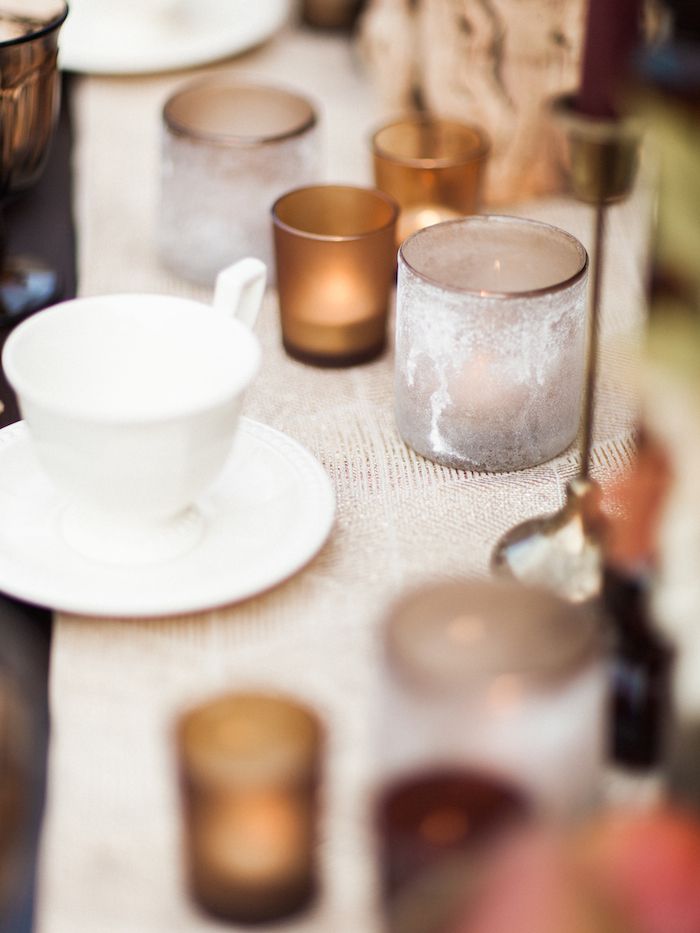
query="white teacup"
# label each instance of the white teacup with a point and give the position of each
(132, 403)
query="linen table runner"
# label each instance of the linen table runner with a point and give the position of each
(111, 855)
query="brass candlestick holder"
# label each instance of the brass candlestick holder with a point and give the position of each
(561, 551)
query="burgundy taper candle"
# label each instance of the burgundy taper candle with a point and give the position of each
(613, 31)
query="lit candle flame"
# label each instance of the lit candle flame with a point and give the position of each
(416, 218)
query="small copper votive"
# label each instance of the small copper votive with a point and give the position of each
(249, 773)
(434, 168)
(335, 250)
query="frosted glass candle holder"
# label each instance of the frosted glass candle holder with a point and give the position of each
(498, 679)
(230, 149)
(490, 342)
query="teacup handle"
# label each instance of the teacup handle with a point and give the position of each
(239, 290)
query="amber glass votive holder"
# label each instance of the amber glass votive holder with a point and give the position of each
(433, 167)
(249, 773)
(335, 251)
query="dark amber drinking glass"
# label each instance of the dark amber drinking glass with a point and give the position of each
(434, 168)
(29, 99)
(335, 250)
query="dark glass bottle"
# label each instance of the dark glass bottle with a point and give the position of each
(686, 18)
(642, 669)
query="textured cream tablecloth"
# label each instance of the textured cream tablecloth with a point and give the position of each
(111, 849)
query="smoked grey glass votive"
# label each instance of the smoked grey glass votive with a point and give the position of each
(230, 149)
(490, 342)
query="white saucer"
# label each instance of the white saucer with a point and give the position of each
(266, 516)
(93, 41)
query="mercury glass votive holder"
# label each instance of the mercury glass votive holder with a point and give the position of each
(433, 167)
(229, 149)
(490, 342)
(249, 772)
(336, 255)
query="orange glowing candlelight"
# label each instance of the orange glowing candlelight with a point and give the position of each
(416, 218)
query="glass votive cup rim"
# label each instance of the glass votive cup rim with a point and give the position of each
(283, 757)
(473, 602)
(44, 30)
(556, 286)
(360, 190)
(222, 80)
(481, 149)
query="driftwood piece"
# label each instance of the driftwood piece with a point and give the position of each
(387, 40)
(491, 62)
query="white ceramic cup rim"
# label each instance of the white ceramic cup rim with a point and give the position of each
(243, 368)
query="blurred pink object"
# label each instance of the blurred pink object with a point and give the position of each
(623, 872)
(649, 864)
(535, 887)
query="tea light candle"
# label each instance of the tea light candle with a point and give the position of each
(249, 767)
(416, 218)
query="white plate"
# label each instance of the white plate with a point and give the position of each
(266, 516)
(97, 41)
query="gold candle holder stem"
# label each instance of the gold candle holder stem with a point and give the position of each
(604, 155)
(591, 380)
(561, 551)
